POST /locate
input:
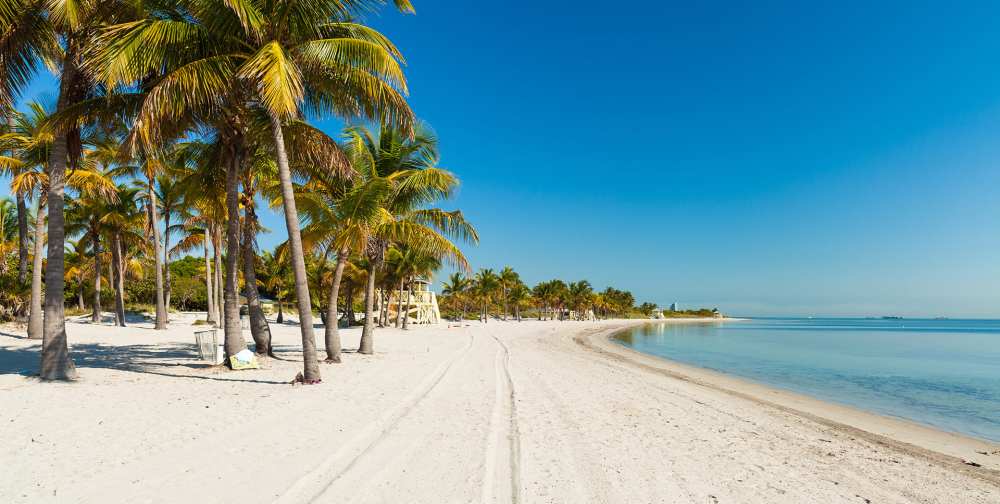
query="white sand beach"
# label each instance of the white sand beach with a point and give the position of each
(546, 412)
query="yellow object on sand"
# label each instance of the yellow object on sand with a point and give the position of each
(236, 364)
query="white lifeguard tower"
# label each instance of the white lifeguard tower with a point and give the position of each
(419, 304)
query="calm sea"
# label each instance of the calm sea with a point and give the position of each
(945, 373)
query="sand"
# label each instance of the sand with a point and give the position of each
(501, 412)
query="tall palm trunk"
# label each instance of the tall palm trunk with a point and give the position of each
(22, 224)
(166, 261)
(217, 281)
(399, 305)
(79, 293)
(259, 329)
(154, 221)
(211, 316)
(22, 240)
(96, 316)
(310, 363)
(406, 312)
(56, 363)
(349, 301)
(234, 342)
(118, 270)
(332, 331)
(35, 328)
(367, 345)
(281, 313)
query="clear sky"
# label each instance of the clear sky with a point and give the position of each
(780, 159)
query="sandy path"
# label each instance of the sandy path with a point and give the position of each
(506, 412)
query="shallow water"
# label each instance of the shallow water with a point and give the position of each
(944, 373)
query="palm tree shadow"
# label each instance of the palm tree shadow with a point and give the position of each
(147, 359)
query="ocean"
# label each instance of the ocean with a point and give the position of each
(942, 373)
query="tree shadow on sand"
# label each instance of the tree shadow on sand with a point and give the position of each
(140, 358)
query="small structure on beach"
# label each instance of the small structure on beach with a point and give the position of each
(419, 303)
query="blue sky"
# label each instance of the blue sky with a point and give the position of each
(769, 160)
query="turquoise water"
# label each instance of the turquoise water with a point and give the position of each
(944, 373)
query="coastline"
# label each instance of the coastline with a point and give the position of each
(949, 449)
(496, 413)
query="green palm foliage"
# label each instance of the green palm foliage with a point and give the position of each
(486, 287)
(225, 59)
(397, 180)
(457, 290)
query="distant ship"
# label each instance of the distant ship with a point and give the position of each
(892, 317)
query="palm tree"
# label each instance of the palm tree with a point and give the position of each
(457, 286)
(276, 280)
(580, 297)
(222, 59)
(508, 279)
(76, 268)
(8, 228)
(487, 283)
(83, 217)
(171, 205)
(11, 165)
(125, 222)
(62, 33)
(519, 295)
(397, 179)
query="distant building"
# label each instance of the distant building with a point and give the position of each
(673, 307)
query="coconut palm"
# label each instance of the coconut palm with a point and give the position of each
(76, 268)
(125, 222)
(487, 284)
(457, 287)
(276, 273)
(10, 165)
(8, 229)
(170, 199)
(62, 33)
(217, 59)
(396, 182)
(508, 279)
(34, 144)
(518, 295)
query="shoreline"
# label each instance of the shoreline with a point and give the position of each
(499, 412)
(948, 449)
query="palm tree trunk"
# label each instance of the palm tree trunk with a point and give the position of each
(154, 221)
(281, 314)
(22, 240)
(166, 261)
(96, 316)
(311, 365)
(234, 342)
(56, 363)
(349, 311)
(399, 305)
(217, 281)
(209, 289)
(111, 279)
(119, 274)
(406, 312)
(79, 293)
(35, 328)
(259, 329)
(331, 331)
(367, 345)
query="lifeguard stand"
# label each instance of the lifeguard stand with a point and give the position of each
(420, 308)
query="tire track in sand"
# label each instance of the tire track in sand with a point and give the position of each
(315, 483)
(504, 387)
